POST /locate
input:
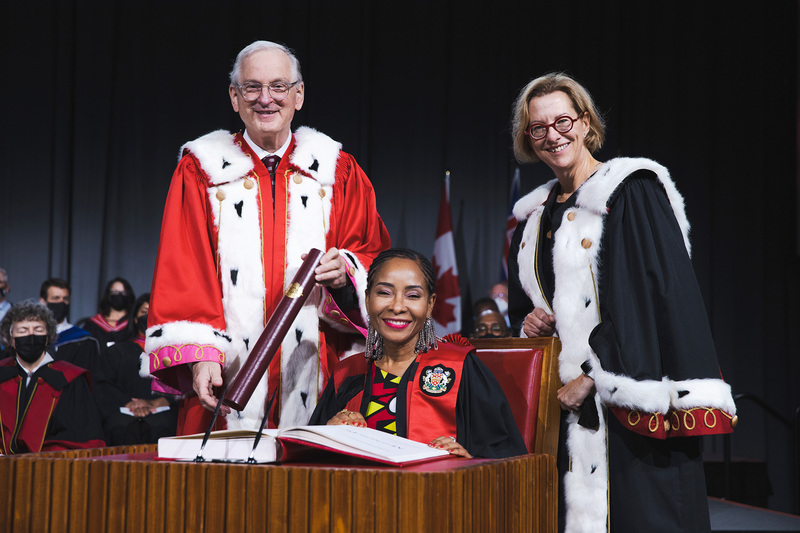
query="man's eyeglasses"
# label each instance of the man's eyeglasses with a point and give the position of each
(562, 124)
(278, 90)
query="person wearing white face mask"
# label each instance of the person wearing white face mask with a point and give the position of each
(45, 405)
(601, 258)
(499, 294)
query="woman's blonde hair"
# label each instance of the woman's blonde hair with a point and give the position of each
(550, 83)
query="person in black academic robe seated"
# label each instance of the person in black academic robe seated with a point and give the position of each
(137, 414)
(44, 404)
(409, 384)
(110, 325)
(73, 344)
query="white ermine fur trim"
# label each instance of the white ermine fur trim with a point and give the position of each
(577, 263)
(309, 220)
(526, 205)
(692, 393)
(185, 332)
(647, 395)
(586, 482)
(315, 146)
(144, 365)
(594, 193)
(527, 260)
(221, 159)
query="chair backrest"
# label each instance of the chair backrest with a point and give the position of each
(527, 370)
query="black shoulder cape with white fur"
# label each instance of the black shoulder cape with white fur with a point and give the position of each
(627, 302)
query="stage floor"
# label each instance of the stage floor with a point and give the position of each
(732, 516)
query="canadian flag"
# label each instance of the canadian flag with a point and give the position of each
(447, 310)
(511, 222)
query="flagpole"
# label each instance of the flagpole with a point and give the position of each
(447, 310)
(511, 223)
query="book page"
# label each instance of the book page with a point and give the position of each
(125, 411)
(364, 441)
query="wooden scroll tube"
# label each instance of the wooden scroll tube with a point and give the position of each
(253, 369)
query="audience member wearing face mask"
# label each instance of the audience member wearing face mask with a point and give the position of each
(45, 404)
(110, 325)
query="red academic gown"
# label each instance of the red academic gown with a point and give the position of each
(446, 391)
(226, 257)
(59, 414)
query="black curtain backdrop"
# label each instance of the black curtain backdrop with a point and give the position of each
(98, 97)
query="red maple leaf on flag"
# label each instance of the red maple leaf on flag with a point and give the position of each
(446, 287)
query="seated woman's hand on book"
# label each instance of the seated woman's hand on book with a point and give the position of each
(450, 444)
(205, 376)
(351, 418)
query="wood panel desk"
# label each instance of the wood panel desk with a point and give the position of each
(124, 490)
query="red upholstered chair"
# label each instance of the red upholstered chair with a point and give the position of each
(527, 370)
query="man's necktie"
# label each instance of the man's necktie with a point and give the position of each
(271, 162)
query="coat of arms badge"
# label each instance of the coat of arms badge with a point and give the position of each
(436, 380)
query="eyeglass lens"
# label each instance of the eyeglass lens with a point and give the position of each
(562, 125)
(252, 91)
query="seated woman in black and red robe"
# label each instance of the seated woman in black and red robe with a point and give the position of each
(409, 384)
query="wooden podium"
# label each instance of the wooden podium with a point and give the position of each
(125, 490)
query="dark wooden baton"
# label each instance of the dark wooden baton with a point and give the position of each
(254, 368)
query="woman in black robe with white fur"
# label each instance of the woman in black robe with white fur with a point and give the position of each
(601, 258)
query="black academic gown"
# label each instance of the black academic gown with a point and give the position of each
(653, 324)
(86, 352)
(123, 363)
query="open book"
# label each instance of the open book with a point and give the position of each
(297, 443)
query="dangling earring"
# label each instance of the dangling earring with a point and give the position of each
(427, 337)
(374, 348)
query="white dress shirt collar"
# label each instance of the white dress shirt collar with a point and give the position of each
(261, 153)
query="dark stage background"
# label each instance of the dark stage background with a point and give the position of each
(98, 97)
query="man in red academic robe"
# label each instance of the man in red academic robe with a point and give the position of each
(242, 211)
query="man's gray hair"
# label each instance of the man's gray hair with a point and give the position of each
(257, 46)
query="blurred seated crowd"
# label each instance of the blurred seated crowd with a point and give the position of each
(66, 386)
